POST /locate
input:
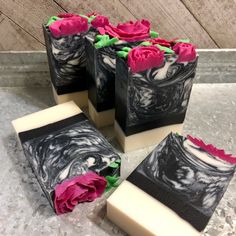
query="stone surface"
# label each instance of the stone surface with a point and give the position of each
(26, 211)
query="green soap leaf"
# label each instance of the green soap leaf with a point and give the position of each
(153, 34)
(122, 54)
(118, 161)
(126, 49)
(91, 18)
(112, 41)
(114, 165)
(112, 179)
(99, 44)
(98, 37)
(166, 49)
(104, 41)
(145, 43)
(112, 182)
(84, 16)
(52, 19)
(182, 40)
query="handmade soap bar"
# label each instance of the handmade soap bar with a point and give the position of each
(101, 94)
(61, 144)
(67, 64)
(152, 102)
(64, 37)
(101, 66)
(174, 191)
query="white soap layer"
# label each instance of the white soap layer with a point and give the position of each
(45, 117)
(80, 98)
(145, 138)
(103, 118)
(139, 214)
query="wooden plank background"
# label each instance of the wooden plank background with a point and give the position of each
(208, 24)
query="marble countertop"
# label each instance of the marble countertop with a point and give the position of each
(25, 210)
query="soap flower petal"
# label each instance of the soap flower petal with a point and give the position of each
(78, 189)
(100, 21)
(69, 26)
(129, 31)
(66, 15)
(160, 41)
(212, 150)
(142, 58)
(186, 52)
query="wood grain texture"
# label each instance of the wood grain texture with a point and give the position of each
(12, 37)
(171, 19)
(208, 24)
(218, 17)
(30, 14)
(112, 8)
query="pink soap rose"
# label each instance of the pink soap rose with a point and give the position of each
(100, 21)
(186, 52)
(130, 31)
(160, 41)
(142, 58)
(78, 189)
(69, 26)
(213, 150)
(66, 15)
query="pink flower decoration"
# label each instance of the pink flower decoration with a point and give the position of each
(160, 41)
(69, 26)
(142, 58)
(186, 52)
(130, 31)
(78, 189)
(100, 21)
(213, 150)
(66, 15)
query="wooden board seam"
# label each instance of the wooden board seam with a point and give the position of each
(199, 22)
(21, 28)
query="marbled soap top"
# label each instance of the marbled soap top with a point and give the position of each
(67, 152)
(192, 174)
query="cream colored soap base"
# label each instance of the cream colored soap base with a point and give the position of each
(103, 118)
(46, 116)
(80, 98)
(145, 138)
(139, 214)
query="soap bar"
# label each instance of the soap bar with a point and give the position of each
(101, 72)
(155, 99)
(101, 67)
(60, 144)
(174, 191)
(67, 64)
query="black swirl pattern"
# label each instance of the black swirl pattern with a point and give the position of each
(101, 68)
(67, 60)
(160, 92)
(69, 152)
(187, 178)
(105, 74)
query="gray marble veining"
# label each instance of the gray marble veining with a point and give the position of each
(24, 208)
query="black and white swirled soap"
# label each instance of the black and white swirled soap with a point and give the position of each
(61, 144)
(67, 64)
(101, 68)
(174, 191)
(151, 102)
